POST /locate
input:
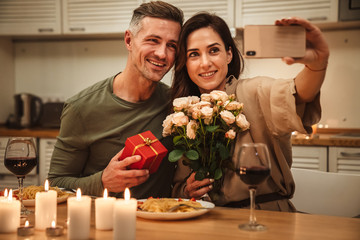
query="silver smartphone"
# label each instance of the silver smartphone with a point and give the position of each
(270, 41)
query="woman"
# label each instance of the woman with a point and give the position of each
(208, 59)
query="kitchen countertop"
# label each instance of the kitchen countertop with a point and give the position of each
(323, 137)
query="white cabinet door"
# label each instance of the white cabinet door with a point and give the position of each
(45, 152)
(250, 12)
(96, 17)
(29, 17)
(223, 8)
(344, 160)
(310, 157)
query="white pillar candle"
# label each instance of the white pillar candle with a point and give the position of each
(104, 207)
(125, 217)
(9, 214)
(45, 207)
(79, 210)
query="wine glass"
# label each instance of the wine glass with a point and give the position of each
(20, 159)
(253, 167)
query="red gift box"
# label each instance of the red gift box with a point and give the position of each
(148, 147)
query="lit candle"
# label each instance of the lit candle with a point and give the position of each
(104, 207)
(54, 231)
(79, 216)
(125, 217)
(45, 207)
(27, 230)
(9, 214)
(5, 194)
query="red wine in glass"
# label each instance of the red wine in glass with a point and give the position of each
(20, 159)
(20, 166)
(253, 176)
(253, 167)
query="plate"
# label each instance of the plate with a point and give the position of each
(31, 202)
(175, 215)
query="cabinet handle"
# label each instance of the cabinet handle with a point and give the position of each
(45, 30)
(77, 29)
(346, 154)
(320, 18)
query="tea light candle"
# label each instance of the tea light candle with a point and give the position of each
(104, 207)
(27, 230)
(9, 214)
(125, 217)
(54, 231)
(45, 207)
(79, 216)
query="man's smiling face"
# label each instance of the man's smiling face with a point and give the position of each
(153, 48)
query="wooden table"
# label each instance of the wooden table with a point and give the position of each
(222, 223)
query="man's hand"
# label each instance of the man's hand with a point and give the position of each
(116, 176)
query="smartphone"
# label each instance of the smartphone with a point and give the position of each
(270, 41)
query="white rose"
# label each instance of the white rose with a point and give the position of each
(231, 134)
(202, 104)
(167, 124)
(194, 99)
(205, 97)
(181, 103)
(234, 105)
(228, 117)
(196, 113)
(217, 95)
(191, 129)
(206, 114)
(242, 122)
(179, 119)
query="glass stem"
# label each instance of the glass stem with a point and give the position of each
(252, 206)
(21, 181)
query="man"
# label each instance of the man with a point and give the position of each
(96, 122)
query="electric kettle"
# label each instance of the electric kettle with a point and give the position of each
(28, 109)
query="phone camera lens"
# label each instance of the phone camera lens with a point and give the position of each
(250, 53)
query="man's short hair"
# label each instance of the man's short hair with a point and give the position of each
(156, 9)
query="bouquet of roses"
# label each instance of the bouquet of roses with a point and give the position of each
(203, 129)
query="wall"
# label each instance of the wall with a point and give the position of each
(7, 86)
(59, 69)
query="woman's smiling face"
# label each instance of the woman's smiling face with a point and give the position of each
(207, 59)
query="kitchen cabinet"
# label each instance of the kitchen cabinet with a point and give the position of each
(95, 17)
(223, 8)
(250, 12)
(46, 148)
(310, 157)
(344, 159)
(30, 17)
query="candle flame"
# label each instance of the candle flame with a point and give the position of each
(46, 187)
(10, 195)
(78, 194)
(26, 223)
(127, 194)
(6, 192)
(53, 224)
(105, 193)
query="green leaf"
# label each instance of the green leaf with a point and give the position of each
(192, 155)
(175, 155)
(218, 174)
(212, 128)
(176, 139)
(223, 151)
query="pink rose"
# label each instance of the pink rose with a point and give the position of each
(227, 116)
(241, 122)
